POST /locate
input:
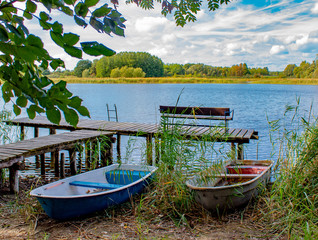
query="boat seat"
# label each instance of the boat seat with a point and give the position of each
(95, 185)
(124, 176)
(228, 175)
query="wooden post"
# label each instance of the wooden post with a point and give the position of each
(42, 158)
(56, 164)
(53, 154)
(22, 134)
(79, 164)
(1, 177)
(149, 148)
(240, 153)
(233, 150)
(118, 148)
(14, 177)
(62, 166)
(72, 155)
(37, 158)
(87, 156)
(157, 149)
(107, 153)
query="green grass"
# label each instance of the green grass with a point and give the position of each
(292, 203)
(162, 80)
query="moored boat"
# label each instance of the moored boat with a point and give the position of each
(93, 190)
(230, 186)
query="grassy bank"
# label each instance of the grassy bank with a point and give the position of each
(264, 80)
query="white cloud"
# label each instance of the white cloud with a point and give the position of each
(167, 38)
(276, 49)
(315, 8)
(273, 35)
(150, 24)
(302, 40)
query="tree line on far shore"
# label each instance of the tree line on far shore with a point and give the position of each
(142, 64)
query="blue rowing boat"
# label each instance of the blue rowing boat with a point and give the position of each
(92, 191)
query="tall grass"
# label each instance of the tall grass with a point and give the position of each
(292, 203)
(180, 158)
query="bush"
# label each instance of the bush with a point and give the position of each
(115, 73)
(127, 72)
(85, 73)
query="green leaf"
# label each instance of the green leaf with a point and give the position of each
(83, 111)
(67, 11)
(45, 17)
(27, 15)
(20, 20)
(70, 39)
(22, 101)
(75, 102)
(3, 34)
(71, 117)
(80, 21)
(119, 31)
(81, 9)
(16, 110)
(57, 63)
(91, 3)
(31, 112)
(114, 14)
(13, 30)
(45, 81)
(34, 41)
(53, 115)
(70, 2)
(31, 6)
(102, 11)
(96, 24)
(96, 49)
(57, 27)
(73, 51)
(57, 38)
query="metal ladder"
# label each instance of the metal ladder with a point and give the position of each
(109, 111)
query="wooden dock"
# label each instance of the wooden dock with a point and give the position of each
(11, 155)
(235, 135)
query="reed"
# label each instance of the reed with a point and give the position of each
(292, 203)
(180, 158)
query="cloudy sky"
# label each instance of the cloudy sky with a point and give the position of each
(261, 33)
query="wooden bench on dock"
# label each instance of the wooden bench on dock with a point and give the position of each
(196, 113)
(11, 155)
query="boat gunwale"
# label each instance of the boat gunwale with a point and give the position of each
(153, 169)
(196, 188)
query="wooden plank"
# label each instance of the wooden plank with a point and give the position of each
(202, 131)
(235, 132)
(195, 110)
(242, 133)
(249, 134)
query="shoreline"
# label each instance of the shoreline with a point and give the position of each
(190, 80)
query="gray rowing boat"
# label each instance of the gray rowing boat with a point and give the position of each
(230, 186)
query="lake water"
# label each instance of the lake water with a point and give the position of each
(252, 104)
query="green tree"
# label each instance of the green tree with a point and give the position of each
(81, 66)
(151, 65)
(289, 70)
(24, 57)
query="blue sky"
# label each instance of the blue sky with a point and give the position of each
(260, 33)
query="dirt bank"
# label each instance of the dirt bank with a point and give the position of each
(22, 218)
